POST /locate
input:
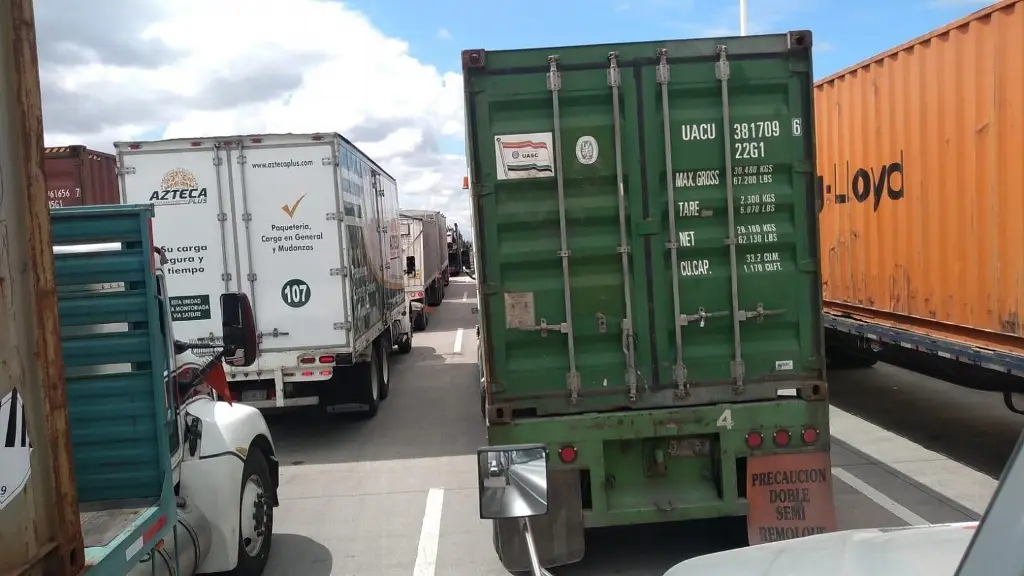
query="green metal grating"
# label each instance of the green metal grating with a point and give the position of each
(114, 359)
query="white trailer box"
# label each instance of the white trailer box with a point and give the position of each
(425, 259)
(306, 225)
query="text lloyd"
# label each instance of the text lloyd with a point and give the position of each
(178, 194)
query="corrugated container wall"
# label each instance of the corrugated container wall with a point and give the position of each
(78, 176)
(921, 173)
(40, 533)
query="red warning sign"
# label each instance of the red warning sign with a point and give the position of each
(790, 496)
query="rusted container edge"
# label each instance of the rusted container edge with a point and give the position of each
(980, 13)
(77, 151)
(29, 134)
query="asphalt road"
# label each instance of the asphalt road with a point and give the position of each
(396, 495)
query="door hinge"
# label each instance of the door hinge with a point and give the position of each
(241, 159)
(126, 171)
(217, 161)
(222, 217)
(275, 333)
(226, 276)
(330, 161)
(343, 271)
(335, 216)
(346, 325)
(246, 217)
(251, 276)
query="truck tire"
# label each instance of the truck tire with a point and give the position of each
(405, 345)
(370, 391)
(255, 517)
(385, 366)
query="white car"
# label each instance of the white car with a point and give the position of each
(933, 550)
(992, 547)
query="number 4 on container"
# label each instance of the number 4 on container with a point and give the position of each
(725, 420)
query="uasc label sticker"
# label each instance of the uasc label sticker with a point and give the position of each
(789, 496)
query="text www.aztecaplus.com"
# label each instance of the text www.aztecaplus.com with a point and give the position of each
(285, 164)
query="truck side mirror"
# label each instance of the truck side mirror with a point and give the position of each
(410, 265)
(513, 481)
(241, 342)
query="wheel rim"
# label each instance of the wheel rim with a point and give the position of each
(255, 516)
(385, 368)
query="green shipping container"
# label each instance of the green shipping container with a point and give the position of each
(647, 233)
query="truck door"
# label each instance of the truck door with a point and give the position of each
(188, 189)
(287, 202)
(730, 221)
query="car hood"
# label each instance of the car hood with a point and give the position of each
(931, 550)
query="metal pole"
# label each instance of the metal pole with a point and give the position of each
(39, 525)
(743, 17)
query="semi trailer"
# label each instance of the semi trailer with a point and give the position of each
(650, 307)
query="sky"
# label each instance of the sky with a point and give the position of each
(385, 73)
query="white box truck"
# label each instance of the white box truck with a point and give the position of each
(308, 227)
(426, 261)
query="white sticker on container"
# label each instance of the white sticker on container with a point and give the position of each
(783, 364)
(586, 150)
(15, 447)
(521, 156)
(519, 311)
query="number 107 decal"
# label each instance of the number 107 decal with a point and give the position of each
(296, 293)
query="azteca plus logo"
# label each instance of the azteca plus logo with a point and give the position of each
(178, 186)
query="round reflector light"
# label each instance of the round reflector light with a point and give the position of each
(567, 454)
(810, 435)
(781, 437)
(754, 440)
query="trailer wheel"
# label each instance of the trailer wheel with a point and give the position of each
(371, 383)
(405, 344)
(419, 322)
(385, 366)
(255, 517)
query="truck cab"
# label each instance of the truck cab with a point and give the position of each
(170, 472)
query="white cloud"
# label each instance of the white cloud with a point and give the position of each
(444, 34)
(248, 66)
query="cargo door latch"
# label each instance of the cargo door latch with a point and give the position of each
(758, 313)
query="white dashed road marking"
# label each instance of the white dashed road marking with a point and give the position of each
(430, 533)
(458, 341)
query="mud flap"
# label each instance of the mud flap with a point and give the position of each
(789, 496)
(558, 534)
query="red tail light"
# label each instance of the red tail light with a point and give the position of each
(809, 435)
(781, 438)
(307, 360)
(327, 359)
(567, 454)
(754, 440)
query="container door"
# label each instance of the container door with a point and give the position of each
(734, 281)
(392, 285)
(412, 262)
(564, 289)
(288, 206)
(188, 190)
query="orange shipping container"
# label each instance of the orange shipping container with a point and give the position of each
(920, 159)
